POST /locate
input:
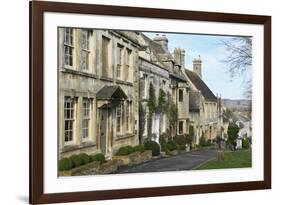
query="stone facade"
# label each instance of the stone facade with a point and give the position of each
(104, 78)
(205, 107)
(165, 71)
(98, 91)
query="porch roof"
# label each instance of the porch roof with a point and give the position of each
(112, 92)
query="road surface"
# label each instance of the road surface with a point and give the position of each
(184, 161)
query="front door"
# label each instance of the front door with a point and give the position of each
(103, 130)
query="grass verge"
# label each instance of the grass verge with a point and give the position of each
(237, 159)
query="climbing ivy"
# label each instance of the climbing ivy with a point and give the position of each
(172, 114)
(161, 100)
(151, 107)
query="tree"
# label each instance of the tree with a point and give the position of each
(232, 133)
(239, 59)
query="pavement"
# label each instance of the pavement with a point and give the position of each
(186, 161)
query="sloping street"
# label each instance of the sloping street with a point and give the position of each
(184, 161)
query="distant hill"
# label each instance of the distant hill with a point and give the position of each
(236, 104)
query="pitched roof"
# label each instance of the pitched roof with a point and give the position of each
(179, 76)
(200, 85)
(155, 47)
(111, 92)
(194, 102)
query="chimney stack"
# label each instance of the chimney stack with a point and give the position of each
(162, 40)
(179, 55)
(197, 66)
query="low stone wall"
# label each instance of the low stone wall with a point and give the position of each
(134, 158)
(146, 156)
(89, 168)
(109, 166)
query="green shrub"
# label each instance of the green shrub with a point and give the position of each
(65, 164)
(246, 143)
(123, 151)
(163, 138)
(76, 160)
(204, 143)
(181, 139)
(181, 147)
(139, 148)
(209, 142)
(98, 157)
(153, 146)
(84, 158)
(172, 145)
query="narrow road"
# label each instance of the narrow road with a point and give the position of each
(184, 161)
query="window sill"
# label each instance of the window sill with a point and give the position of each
(81, 73)
(85, 144)
(124, 136)
(124, 82)
(106, 78)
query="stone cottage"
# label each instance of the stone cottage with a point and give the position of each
(104, 80)
(98, 90)
(205, 112)
(165, 72)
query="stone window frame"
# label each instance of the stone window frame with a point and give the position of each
(105, 69)
(68, 47)
(128, 62)
(69, 120)
(119, 62)
(128, 116)
(85, 49)
(119, 118)
(86, 118)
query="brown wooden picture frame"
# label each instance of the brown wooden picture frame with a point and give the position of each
(37, 9)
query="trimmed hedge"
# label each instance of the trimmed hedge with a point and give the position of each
(76, 160)
(139, 148)
(123, 151)
(65, 164)
(98, 157)
(85, 159)
(153, 146)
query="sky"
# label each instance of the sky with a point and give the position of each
(212, 53)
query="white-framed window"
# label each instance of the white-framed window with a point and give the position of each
(128, 64)
(86, 109)
(68, 47)
(84, 49)
(68, 119)
(118, 117)
(119, 61)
